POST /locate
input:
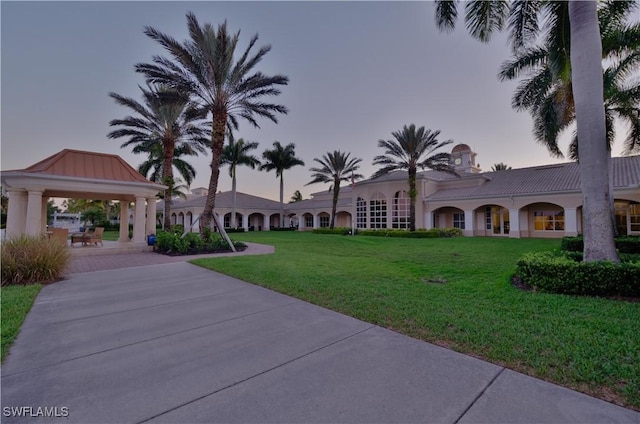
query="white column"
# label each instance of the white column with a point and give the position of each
(139, 221)
(17, 213)
(151, 215)
(266, 224)
(124, 221)
(44, 221)
(428, 220)
(316, 221)
(245, 222)
(570, 222)
(469, 223)
(514, 223)
(34, 213)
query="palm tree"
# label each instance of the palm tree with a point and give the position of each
(583, 42)
(167, 121)
(152, 167)
(234, 154)
(297, 197)
(546, 89)
(280, 158)
(408, 151)
(335, 168)
(500, 167)
(205, 67)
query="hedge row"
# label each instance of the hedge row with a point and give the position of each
(343, 231)
(172, 243)
(432, 233)
(624, 244)
(558, 273)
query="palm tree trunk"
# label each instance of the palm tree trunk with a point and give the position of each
(233, 192)
(413, 194)
(217, 144)
(167, 179)
(336, 194)
(281, 200)
(586, 73)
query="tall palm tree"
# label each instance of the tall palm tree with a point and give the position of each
(279, 159)
(335, 168)
(546, 90)
(237, 153)
(166, 121)
(205, 67)
(410, 151)
(583, 41)
(500, 167)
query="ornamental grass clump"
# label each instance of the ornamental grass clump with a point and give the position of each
(31, 260)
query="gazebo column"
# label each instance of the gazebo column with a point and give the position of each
(124, 221)
(43, 228)
(151, 215)
(34, 213)
(139, 221)
(17, 213)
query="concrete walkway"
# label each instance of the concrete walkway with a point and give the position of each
(177, 343)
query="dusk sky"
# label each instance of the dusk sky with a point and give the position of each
(357, 71)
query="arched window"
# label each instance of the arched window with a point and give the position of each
(361, 213)
(400, 211)
(378, 211)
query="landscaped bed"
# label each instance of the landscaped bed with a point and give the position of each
(457, 293)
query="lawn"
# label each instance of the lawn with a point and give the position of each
(456, 293)
(15, 303)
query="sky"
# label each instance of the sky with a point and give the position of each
(357, 72)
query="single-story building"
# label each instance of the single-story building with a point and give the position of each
(539, 201)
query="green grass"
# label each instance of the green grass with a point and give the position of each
(15, 302)
(588, 344)
(111, 235)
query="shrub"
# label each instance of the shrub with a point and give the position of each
(170, 242)
(555, 272)
(29, 260)
(234, 230)
(624, 244)
(421, 233)
(343, 231)
(282, 228)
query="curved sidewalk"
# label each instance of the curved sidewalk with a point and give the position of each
(181, 344)
(127, 260)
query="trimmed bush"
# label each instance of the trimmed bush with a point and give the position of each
(172, 243)
(343, 231)
(31, 260)
(555, 272)
(624, 244)
(432, 233)
(283, 229)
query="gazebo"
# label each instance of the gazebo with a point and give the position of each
(81, 175)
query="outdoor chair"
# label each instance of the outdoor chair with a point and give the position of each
(94, 237)
(80, 237)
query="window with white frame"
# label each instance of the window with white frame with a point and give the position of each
(400, 211)
(361, 213)
(548, 220)
(324, 221)
(634, 218)
(458, 220)
(378, 211)
(308, 221)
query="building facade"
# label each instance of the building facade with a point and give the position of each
(541, 201)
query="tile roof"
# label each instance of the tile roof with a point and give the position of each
(563, 177)
(91, 165)
(225, 200)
